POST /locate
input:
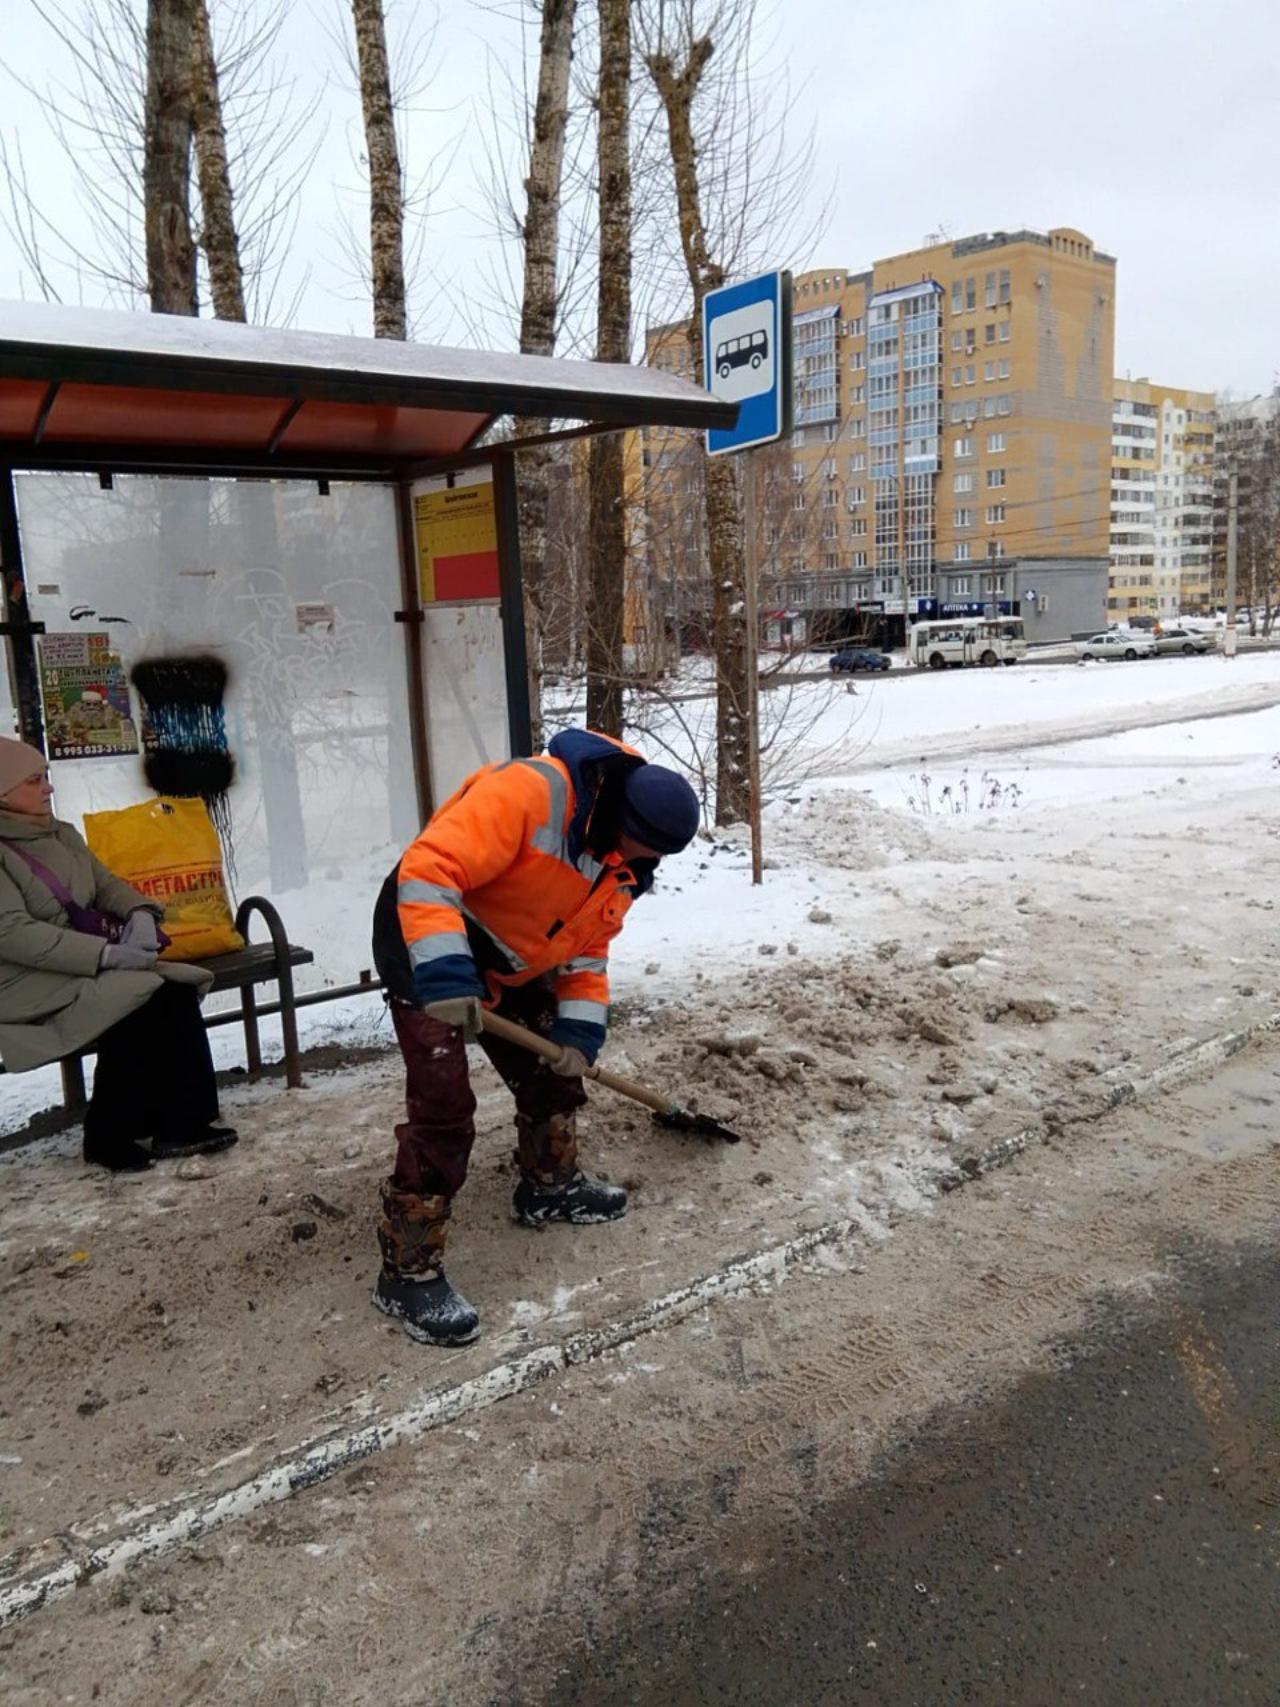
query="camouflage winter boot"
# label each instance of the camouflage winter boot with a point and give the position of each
(412, 1286)
(552, 1186)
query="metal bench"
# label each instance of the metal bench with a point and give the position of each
(256, 963)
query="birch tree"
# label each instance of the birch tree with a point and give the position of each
(386, 179)
(737, 187)
(539, 310)
(104, 109)
(607, 504)
(166, 165)
(219, 238)
(676, 76)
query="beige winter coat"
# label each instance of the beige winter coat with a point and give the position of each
(53, 997)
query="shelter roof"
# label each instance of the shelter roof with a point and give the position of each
(91, 387)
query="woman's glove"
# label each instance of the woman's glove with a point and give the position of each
(125, 957)
(140, 931)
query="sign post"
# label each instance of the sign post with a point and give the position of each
(746, 359)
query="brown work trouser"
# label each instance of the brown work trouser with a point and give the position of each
(434, 1141)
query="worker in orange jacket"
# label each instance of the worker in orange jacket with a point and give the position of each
(509, 900)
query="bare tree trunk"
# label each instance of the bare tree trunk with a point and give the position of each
(735, 648)
(538, 311)
(386, 182)
(607, 507)
(218, 236)
(166, 170)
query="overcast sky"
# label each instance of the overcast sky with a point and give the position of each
(1153, 127)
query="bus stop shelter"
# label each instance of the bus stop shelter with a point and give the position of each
(333, 517)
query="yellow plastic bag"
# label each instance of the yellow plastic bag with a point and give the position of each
(168, 850)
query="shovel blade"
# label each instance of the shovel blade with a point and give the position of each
(680, 1120)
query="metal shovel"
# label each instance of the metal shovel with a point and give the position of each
(665, 1111)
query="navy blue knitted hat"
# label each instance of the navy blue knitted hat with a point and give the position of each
(659, 809)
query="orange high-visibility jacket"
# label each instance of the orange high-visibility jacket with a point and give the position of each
(508, 853)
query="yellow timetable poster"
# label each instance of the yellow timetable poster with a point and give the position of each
(457, 539)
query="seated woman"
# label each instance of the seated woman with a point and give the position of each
(64, 989)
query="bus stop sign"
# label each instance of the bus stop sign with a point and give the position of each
(746, 355)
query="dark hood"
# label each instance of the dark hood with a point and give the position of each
(597, 769)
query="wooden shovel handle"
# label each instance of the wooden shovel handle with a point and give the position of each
(510, 1032)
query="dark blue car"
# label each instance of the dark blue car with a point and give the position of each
(852, 658)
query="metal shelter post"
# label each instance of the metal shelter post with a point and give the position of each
(18, 629)
(411, 618)
(511, 589)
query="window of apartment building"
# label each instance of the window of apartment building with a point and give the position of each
(989, 333)
(858, 462)
(1004, 367)
(957, 376)
(831, 529)
(830, 498)
(957, 296)
(964, 518)
(963, 447)
(1004, 405)
(995, 477)
(1006, 285)
(855, 495)
(797, 503)
(995, 441)
(988, 408)
(858, 360)
(971, 293)
(995, 513)
(829, 467)
(989, 291)
(1005, 331)
(957, 341)
(995, 548)
(971, 374)
(962, 483)
(858, 394)
(957, 411)
(859, 560)
(830, 432)
(971, 412)
(970, 340)
(797, 438)
(797, 472)
(857, 527)
(988, 371)
(857, 427)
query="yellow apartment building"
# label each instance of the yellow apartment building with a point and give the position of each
(952, 443)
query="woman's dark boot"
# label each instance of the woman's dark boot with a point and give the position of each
(203, 1141)
(126, 1158)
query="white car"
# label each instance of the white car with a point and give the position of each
(1118, 643)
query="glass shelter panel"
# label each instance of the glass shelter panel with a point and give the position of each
(295, 591)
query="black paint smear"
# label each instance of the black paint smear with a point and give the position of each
(186, 750)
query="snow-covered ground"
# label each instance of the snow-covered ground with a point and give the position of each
(906, 987)
(1025, 740)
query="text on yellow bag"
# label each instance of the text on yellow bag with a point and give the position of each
(168, 850)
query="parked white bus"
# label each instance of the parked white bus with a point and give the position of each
(968, 640)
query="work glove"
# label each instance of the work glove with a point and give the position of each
(126, 957)
(462, 1011)
(141, 931)
(572, 1063)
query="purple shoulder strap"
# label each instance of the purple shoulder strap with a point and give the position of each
(55, 885)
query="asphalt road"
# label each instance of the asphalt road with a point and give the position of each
(1109, 1534)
